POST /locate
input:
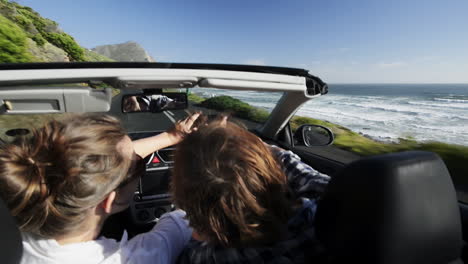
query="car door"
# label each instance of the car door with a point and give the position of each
(326, 159)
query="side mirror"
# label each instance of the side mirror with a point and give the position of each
(154, 103)
(313, 135)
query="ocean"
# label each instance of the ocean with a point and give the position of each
(386, 112)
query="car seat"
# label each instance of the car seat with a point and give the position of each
(392, 208)
(11, 246)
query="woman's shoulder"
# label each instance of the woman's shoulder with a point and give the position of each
(37, 250)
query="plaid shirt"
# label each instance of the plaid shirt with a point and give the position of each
(300, 245)
(302, 179)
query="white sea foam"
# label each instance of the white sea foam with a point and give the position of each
(439, 105)
(465, 101)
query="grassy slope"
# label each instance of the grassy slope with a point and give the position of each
(30, 24)
(455, 156)
(13, 44)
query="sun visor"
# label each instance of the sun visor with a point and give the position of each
(251, 85)
(32, 100)
(154, 82)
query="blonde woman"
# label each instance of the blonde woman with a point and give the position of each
(63, 182)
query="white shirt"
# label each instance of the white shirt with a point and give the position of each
(162, 244)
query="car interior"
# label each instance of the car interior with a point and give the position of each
(392, 208)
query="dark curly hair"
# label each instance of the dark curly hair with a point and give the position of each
(231, 186)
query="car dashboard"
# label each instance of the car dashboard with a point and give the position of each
(152, 199)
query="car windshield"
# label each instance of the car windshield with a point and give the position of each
(396, 71)
(256, 109)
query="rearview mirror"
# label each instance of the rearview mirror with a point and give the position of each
(313, 135)
(154, 103)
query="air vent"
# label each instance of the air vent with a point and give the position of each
(166, 155)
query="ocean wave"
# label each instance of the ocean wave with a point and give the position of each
(370, 98)
(402, 107)
(439, 105)
(354, 115)
(453, 129)
(452, 100)
(347, 98)
(385, 107)
(424, 116)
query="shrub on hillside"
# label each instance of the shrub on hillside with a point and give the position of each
(237, 107)
(13, 43)
(40, 41)
(68, 44)
(25, 16)
(23, 21)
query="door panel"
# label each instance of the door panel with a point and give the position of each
(324, 159)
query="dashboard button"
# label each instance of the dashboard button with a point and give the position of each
(136, 198)
(159, 212)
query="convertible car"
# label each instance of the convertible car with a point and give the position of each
(392, 208)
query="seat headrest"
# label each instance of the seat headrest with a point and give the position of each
(11, 246)
(392, 208)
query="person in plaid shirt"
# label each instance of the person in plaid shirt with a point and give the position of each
(245, 199)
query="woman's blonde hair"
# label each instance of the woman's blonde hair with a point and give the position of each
(231, 186)
(50, 180)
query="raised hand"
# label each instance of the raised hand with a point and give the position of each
(184, 127)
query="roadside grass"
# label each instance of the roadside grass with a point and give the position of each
(195, 98)
(236, 107)
(13, 44)
(454, 156)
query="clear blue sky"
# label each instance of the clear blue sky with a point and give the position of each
(339, 40)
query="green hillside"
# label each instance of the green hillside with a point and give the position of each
(25, 36)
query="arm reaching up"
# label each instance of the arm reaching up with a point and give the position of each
(146, 146)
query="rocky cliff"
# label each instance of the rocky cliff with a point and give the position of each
(128, 51)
